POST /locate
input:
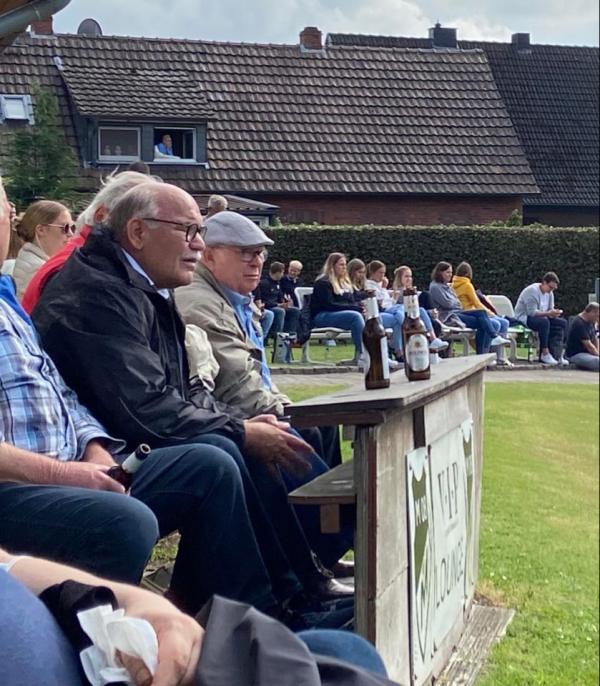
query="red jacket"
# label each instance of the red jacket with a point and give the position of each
(50, 268)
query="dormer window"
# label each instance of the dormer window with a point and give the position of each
(118, 144)
(16, 108)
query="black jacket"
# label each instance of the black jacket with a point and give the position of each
(324, 299)
(288, 287)
(269, 291)
(120, 345)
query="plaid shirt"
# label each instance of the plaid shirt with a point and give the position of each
(37, 410)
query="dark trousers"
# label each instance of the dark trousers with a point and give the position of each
(285, 319)
(552, 332)
(204, 491)
(109, 534)
(325, 441)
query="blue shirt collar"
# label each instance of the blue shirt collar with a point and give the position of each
(235, 298)
(137, 267)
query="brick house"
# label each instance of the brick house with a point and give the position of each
(333, 134)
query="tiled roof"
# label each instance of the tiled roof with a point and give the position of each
(551, 93)
(347, 120)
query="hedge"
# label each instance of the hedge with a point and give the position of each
(504, 259)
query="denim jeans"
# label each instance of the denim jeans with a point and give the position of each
(585, 361)
(552, 332)
(393, 318)
(227, 547)
(106, 533)
(345, 646)
(345, 319)
(501, 325)
(266, 322)
(484, 329)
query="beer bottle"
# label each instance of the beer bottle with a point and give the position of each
(375, 346)
(123, 473)
(414, 334)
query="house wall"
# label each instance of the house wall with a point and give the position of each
(562, 216)
(392, 210)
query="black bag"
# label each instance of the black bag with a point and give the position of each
(304, 322)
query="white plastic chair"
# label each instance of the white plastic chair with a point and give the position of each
(504, 308)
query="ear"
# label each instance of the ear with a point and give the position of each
(40, 230)
(136, 233)
(207, 258)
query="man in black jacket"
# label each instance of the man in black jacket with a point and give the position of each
(109, 321)
(271, 294)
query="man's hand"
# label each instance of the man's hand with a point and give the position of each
(179, 641)
(82, 475)
(272, 445)
(95, 453)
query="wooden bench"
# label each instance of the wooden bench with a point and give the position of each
(330, 491)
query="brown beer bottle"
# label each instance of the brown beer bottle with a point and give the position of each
(414, 334)
(377, 374)
(123, 473)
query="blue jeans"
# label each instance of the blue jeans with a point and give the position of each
(393, 318)
(347, 320)
(227, 547)
(484, 329)
(105, 533)
(585, 361)
(501, 325)
(345, 646)
(266, 322)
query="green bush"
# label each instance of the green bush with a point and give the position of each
(504, 259)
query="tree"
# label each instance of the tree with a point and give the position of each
(40, 162)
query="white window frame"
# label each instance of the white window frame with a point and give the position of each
(25, 100)
(181, 160)
(119, 158)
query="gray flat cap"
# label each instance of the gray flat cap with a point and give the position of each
(231, 228)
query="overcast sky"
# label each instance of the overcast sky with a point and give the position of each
(279, 21)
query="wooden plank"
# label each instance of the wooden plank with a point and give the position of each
(335, 487)
(333, 418)
(401, 394)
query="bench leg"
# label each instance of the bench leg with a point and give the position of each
(330, 519)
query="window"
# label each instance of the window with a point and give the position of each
(118, 144)
(174, 145)
(16, 108)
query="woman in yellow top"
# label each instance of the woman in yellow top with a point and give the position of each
(462, 283)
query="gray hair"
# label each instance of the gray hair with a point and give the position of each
(591, 307)
(114, 187)
(217, 202)
(138, 202)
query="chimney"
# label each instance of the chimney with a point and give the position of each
(521, 42)
(311, 39)
(443, 38)
(42, 27)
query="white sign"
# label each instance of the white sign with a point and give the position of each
(441, 506)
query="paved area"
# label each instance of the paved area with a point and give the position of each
(317, 377)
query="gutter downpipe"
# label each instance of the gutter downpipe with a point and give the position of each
(19, 19)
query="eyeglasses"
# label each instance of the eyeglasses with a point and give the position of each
(65, 228)
(191, 230)
(247, 254)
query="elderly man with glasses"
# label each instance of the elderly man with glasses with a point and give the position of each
(109, 321)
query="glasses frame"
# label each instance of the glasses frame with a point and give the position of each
(65, 228)
(262, 254)
(191, 230)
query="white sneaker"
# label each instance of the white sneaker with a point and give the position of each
(491, 364)
(437, 344)
(563, 362)
(394, 365)
(548, 359)
(498, 340)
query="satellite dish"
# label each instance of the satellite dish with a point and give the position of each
(89, 27)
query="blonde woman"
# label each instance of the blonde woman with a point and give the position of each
(357, 272)
(45, 227)
(333, 302)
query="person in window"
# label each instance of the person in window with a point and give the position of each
(46, 226)
(164, 150)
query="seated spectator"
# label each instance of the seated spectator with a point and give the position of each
(216, 203)
(535, 309)
(450, 310)
(44, 227)
(269, 292)
(292, 280)
(164, 149)
(186, 652)
(462, 283)
(357, 273)
(403, 278)
(216, 472)
(333, 301)
(114, 187)
(217, 301)
(582, 339)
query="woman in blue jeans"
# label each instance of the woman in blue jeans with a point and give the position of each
(35, 652)
(445, 300)
(333, 301)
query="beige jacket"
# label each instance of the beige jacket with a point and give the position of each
(30, 258)
(239, 382)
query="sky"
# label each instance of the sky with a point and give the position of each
(280, 21)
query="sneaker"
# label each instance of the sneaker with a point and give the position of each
(548, 359)
(437, 344)
(491, 364)
(563, 362)
(499, 341)
(395, 364)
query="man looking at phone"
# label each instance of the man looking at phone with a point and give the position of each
(535, 308)
(270, 292)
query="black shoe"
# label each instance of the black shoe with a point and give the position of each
(330, 589)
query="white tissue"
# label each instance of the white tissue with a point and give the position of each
(110, 630)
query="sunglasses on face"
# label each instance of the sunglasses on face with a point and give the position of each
(64, 228)
(191, 230)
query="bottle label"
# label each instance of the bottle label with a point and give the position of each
(417, 352)
(385, 358)
(372, 308)
(411, 306)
